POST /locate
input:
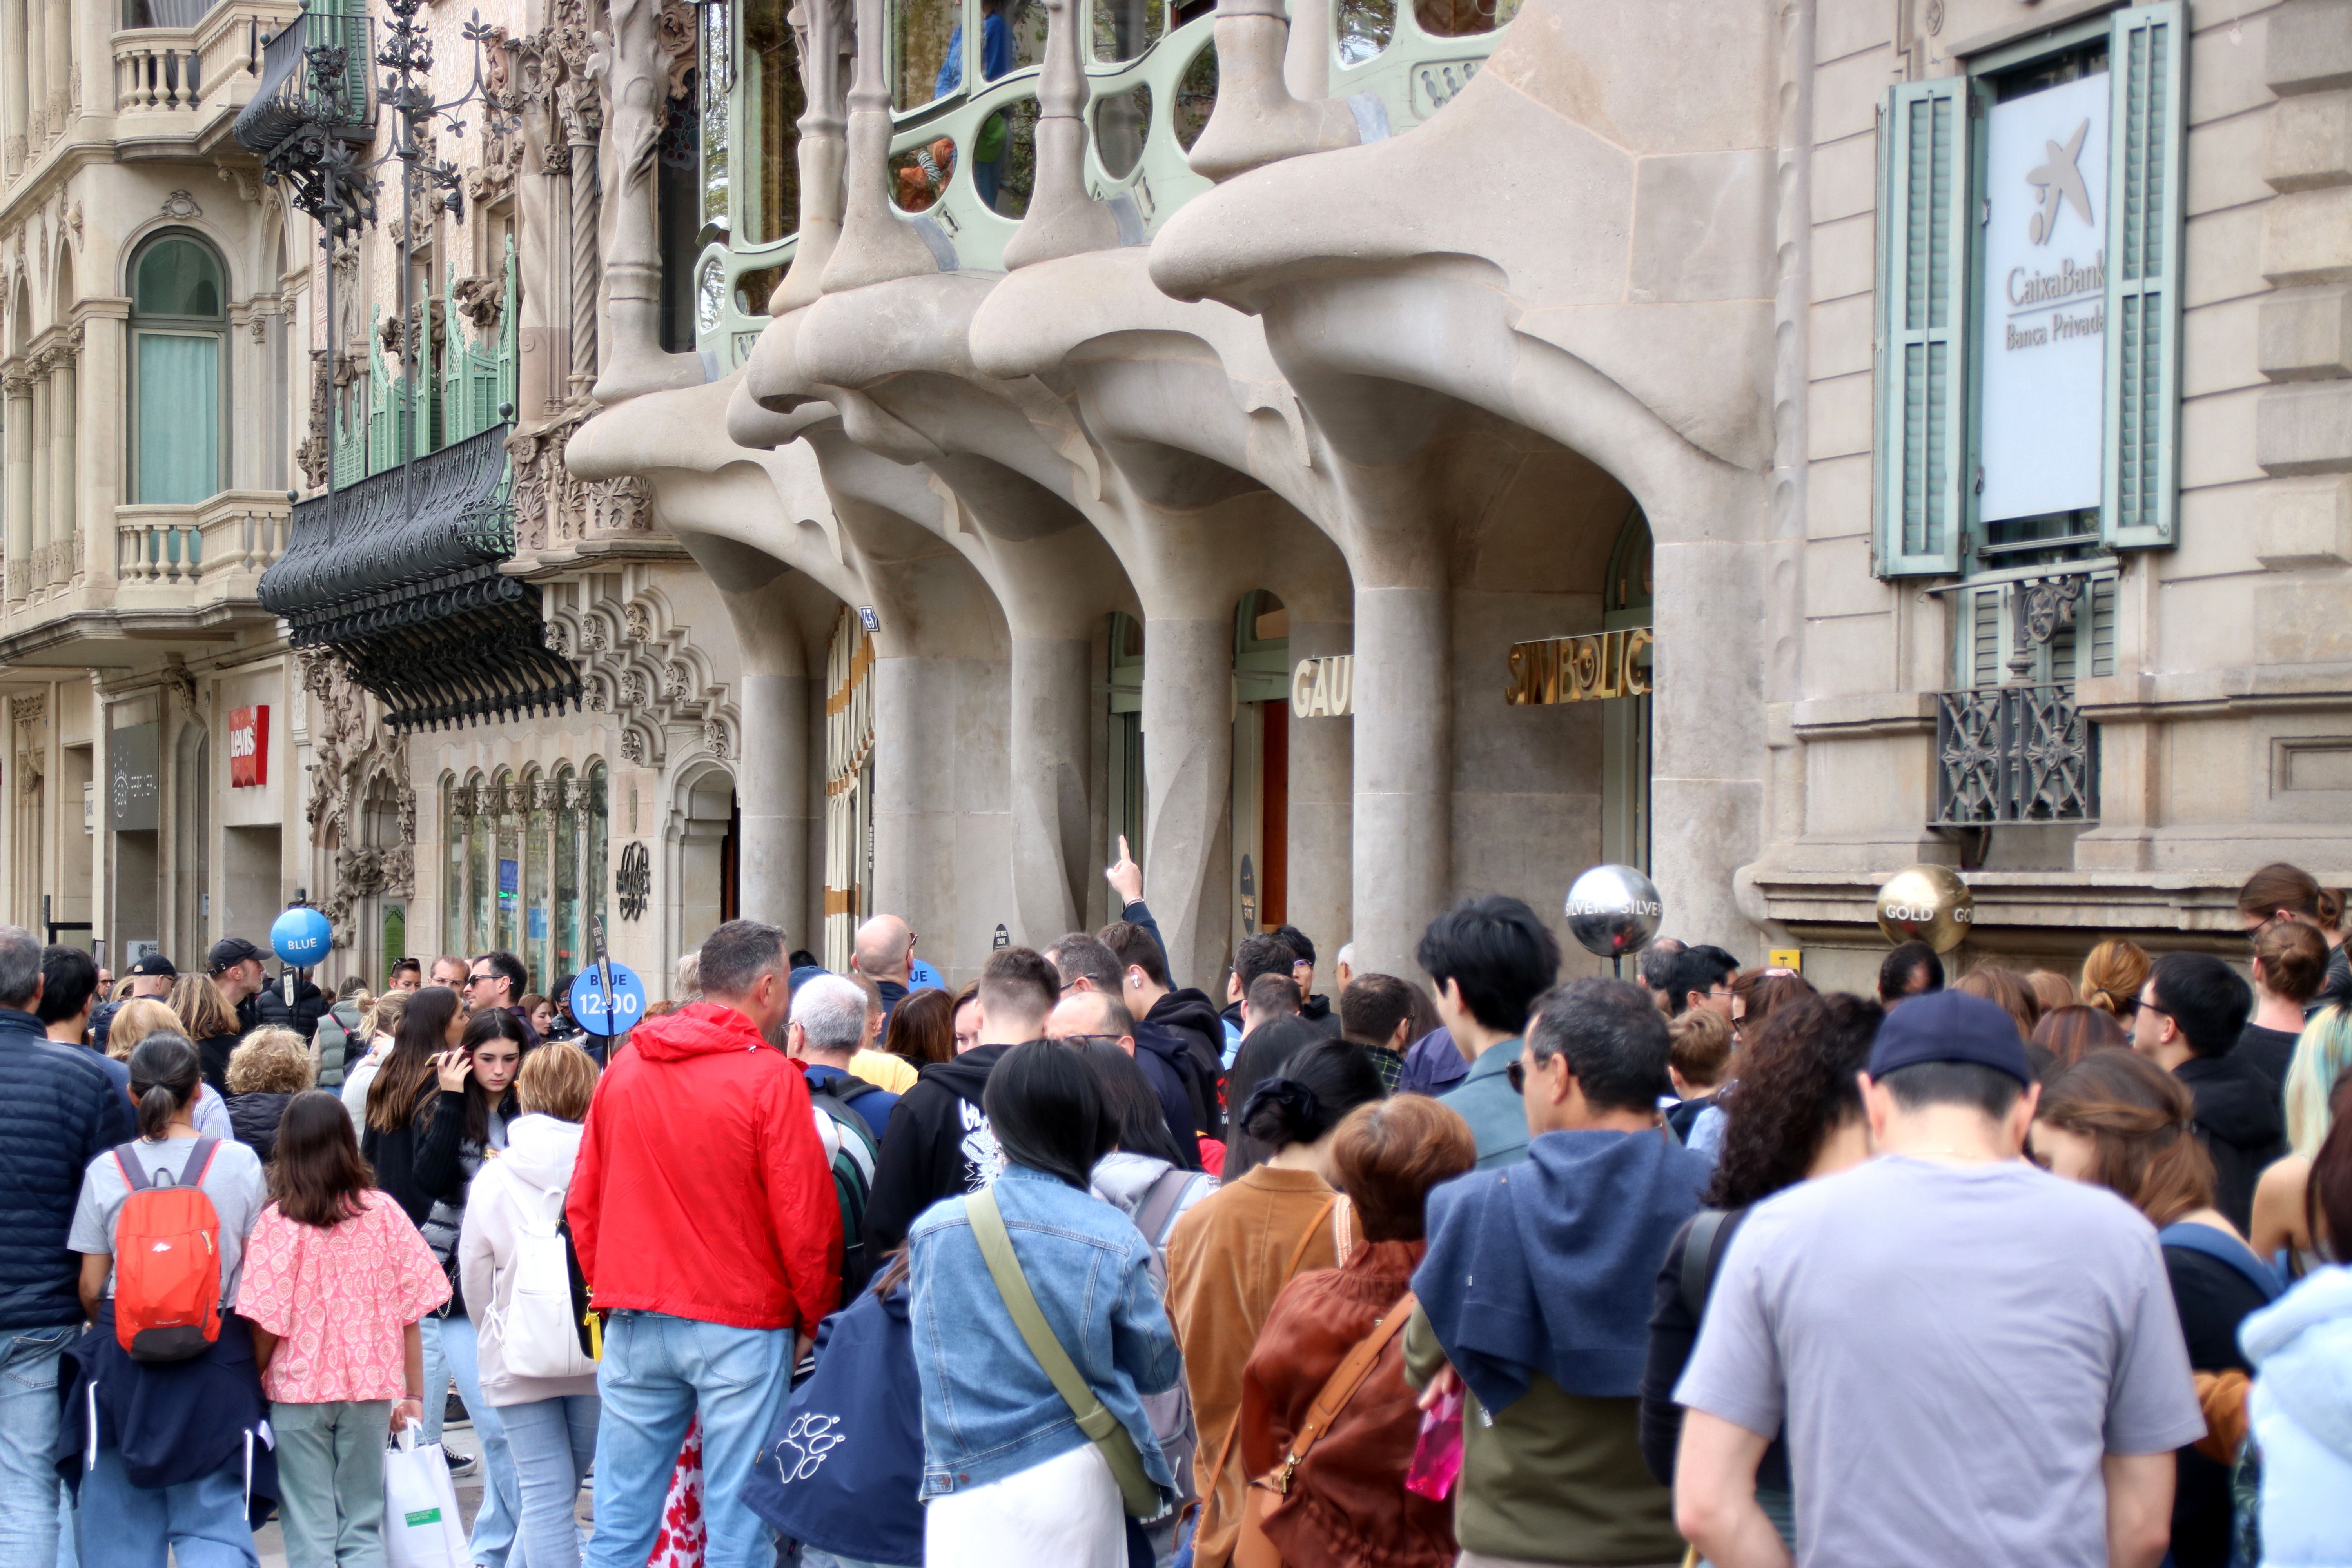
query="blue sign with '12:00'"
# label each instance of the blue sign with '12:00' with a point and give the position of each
(589, 1006)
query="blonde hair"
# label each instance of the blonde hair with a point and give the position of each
(198, 1002)
(558, 1080)
(271, 1060)
(384, 1017)
(2113, 975)
(134, 1021)
(2323, 1053)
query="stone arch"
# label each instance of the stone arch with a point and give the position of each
(701, 845)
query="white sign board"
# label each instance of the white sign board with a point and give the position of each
(2045, 304)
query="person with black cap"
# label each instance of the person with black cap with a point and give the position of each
(152, 976)
(1969, 1360)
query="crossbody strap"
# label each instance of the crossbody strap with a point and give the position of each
(1710, 1230)
(1160, 1201)
(1341, 1387)
(1106, 1430)
(2222, 1248)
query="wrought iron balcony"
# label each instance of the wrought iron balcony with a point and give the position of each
(315, 79)
(2014, 753)
(399, 574)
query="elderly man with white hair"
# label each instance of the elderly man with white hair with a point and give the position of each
(827, 1027)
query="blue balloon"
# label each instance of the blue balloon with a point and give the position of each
(588, 1006)
(301, 936)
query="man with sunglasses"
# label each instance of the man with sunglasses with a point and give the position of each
(498, 980)
(1535, 1294)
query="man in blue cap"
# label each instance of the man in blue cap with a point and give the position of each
(1969, 1360)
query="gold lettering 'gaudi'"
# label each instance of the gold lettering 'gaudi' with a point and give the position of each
(1579, 669)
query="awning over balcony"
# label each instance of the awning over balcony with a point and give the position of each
(399, 575)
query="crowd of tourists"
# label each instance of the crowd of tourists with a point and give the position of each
(1079, 1266)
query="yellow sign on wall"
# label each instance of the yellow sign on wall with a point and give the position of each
(1579, 669)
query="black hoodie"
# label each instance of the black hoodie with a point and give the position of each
(1316, 1010)
(1167, 1066)
(2239, 1118)
(1188, 1016)
(939, 1144)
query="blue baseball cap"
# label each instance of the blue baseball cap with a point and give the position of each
(1949, 1027)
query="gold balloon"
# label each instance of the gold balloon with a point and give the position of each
(1927, 903)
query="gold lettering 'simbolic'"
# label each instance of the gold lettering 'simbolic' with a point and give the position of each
(1579, 669)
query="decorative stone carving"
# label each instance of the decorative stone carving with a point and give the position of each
(26, 711)
(558, 641)
(714, 738)
(180, 205)
(633, 689)
(247, 189)
(552, 506)
(355, 761)
(633, 747)
(481, 300)
(73, 223)
(639, 620)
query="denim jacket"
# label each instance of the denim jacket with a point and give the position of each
(989, 1410)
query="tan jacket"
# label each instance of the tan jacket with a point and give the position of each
(1228, 1258)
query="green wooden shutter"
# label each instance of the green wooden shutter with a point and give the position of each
(2147, 46)
(1982, 647)
(1922, 321)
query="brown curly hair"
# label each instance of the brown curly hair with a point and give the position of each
(1796, 1086)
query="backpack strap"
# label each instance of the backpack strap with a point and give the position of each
(134, 1173)
(1345, 1380)
(1153, 1214)
(1106, 1430)
(2222, 1248)
(1710, 1233)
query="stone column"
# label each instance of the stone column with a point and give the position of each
(17, 84)
(1322, 805)
(20, 392)
(39, 518)
(916, 787)
(36, 59)
(772, 785)
(1188, 765)
(100, 334)
(1403, 756)
(60, 65)
(64, 416)
(1048, 742)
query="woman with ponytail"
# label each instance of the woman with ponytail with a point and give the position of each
(2117, 1120)
(1230, 1258)
(2283, 892)
(170, 1447)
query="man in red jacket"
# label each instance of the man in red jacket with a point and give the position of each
(703, 1210)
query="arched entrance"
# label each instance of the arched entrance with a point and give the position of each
(702, 836)
(848, 785)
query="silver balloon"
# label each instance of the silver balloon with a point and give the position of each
(1614, 911)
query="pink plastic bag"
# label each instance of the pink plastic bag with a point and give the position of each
(1437, 1452)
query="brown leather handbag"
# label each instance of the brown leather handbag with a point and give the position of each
(1266, 1493)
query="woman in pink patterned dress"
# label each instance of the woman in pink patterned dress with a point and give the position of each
(335, 1279)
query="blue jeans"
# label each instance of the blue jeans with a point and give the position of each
(495, 1525)
(657, 1372)
(553, 1442)
(201, 1523)
(436, 1378)
(28, 1433)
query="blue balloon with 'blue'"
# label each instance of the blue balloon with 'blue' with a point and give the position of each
(301, 936)
(628, 1002)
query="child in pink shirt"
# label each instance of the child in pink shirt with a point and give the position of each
(335, 1280)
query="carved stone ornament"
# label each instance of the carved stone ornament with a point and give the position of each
(633, 689)
(558, 641)
(639, 621)
(714, 737)
(633, 747)
(26, 711)
(481, 300)
(182, 205)
(355, 760)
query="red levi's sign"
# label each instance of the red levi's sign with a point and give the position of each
(248, 746)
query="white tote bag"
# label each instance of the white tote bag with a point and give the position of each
(422, 1527)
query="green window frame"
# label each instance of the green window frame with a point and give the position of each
(179, 390)
(1923, 497)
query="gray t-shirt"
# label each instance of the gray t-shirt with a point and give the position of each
(1953, 1349)
(234, 1183)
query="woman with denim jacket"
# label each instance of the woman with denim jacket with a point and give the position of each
(1009, 1481)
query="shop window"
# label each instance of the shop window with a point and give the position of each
(1122, 121)
(1124, 29)
(526, 868)
(2028, 366)
(179, 368)
(773, 102)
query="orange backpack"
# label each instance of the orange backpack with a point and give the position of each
(167, 1285)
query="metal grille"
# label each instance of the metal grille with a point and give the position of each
(2014, 753)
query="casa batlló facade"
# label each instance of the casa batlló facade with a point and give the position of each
(1362, 456)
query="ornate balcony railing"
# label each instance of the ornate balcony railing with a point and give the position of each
(400, 574)
(292, 96)
(2014, 753)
